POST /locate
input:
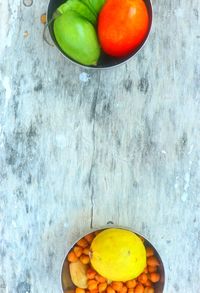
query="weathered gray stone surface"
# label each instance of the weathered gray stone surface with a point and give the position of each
(81, 148)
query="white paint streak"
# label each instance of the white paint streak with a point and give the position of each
(7, 87)
(179, 13)
(3, 24)
(66, 225)
(61, 141)
(191, 149)
(176, 186)
(84, 77)
(185, 194)
(7, 24)
(14, 224)
(1, 138)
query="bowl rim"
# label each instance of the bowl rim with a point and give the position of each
(87, 67)
(108, 226)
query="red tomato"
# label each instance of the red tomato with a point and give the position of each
(122, 26)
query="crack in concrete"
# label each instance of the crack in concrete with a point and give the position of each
(92, 118)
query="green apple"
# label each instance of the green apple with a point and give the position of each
(77, 38)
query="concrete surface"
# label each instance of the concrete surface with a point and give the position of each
(80, 148)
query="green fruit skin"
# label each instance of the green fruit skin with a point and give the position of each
(97, 5)
(89, 5)
(77, 38)
(80, 8)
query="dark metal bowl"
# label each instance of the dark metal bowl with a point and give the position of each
(105, 61)
(67, 284)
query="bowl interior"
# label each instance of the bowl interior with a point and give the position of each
(67, 284)
(105, 61)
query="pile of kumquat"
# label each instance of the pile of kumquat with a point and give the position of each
(144, 283)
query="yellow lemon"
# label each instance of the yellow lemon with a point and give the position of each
(118, 254)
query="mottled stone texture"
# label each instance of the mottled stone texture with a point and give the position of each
(81, 148)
